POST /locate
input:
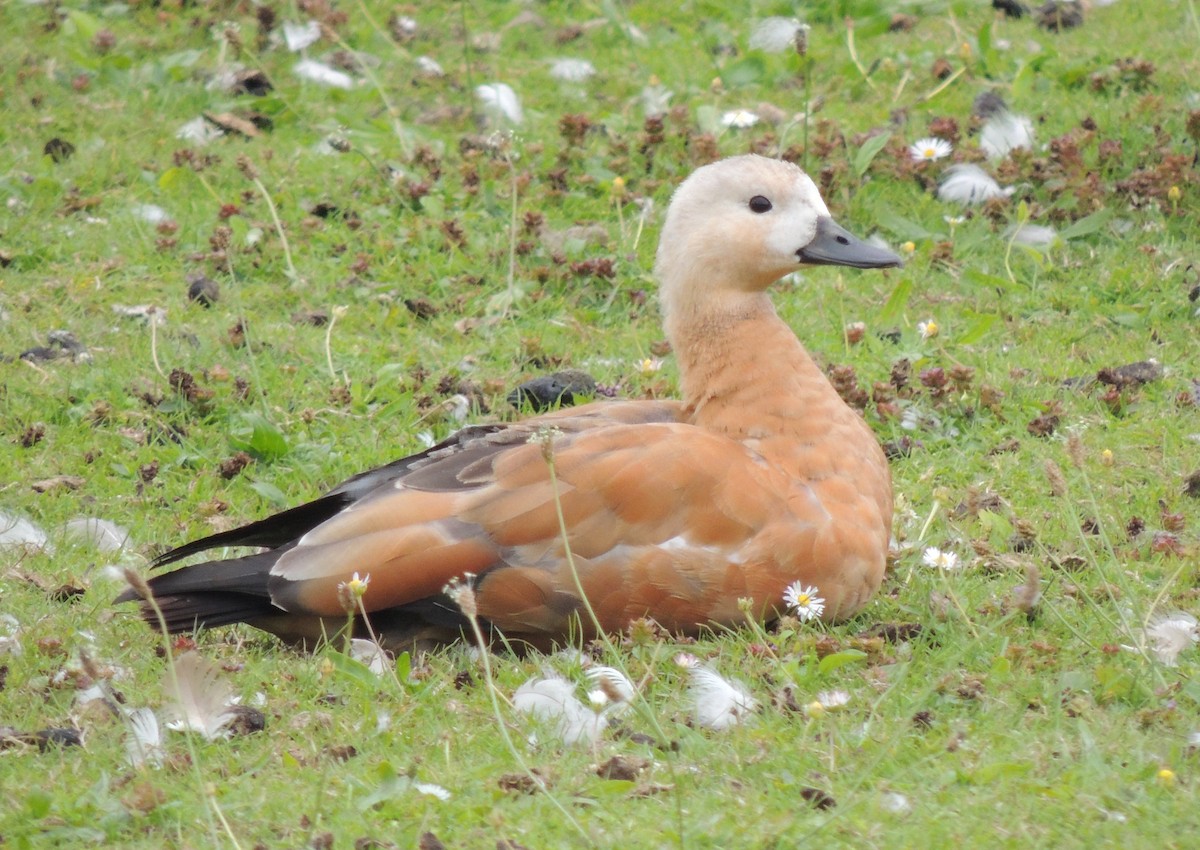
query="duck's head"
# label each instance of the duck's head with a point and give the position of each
(739, 224)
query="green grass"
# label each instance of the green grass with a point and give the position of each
(998, 729)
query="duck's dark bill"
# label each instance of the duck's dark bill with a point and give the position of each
(835, 246)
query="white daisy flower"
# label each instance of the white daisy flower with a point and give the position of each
(649, 365)
(928, 329)
(833, 699)
(739, 119)
(1170, 635)
(935, 557)
(804, 601)
(928, 150)
(572, 70)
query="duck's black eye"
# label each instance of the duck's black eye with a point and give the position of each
(759, 204)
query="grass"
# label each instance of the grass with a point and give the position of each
(994, 727)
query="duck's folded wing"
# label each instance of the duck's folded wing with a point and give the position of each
(440, 462)
(658, 517)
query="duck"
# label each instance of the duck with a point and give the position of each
(696, 513)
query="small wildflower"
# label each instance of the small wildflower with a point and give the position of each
(929, 150)
(739, 119)
(1170, 635)
(687, 661)
(814, 709)
(804, 600)
(908, 247)
(1166, 776)
(648, 366)
(618, 186)
(350, 592)
(1174, 194)
(462, 593)
(928, 329)
(831, 700)
(1106, 457)
(954, 220)
(935, 557)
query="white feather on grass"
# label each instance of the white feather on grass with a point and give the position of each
(143, 744)
(368, 653)
(430, 67)
(18, 531)
(774, 35)
(613, 688)
(1035, 235)
(969, 184)
(500, 102)
(718, 703)
(572, 70)
(319, 72)
(198, 131)
(552, 701)
(102, 534)
(1170, 634)
(1004, 132)
(10, 628)
(200, 699)
(299, 36)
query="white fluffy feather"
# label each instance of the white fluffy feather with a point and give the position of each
(970, 184)
(1004, 132)
(500, 102)
(103, 534)
(201, 699)
(143, 745)
(774, 35)
(552, 700)
(717, 702)
(299, 36)
(319, 72)
(572, 70)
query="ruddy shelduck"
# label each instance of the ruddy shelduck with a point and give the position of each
(690, 512)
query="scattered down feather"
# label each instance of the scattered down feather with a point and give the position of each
(613, 688)
(1005, 132)
(143, 744)
(718, 703)
(969, 184)
(500, 102)
(552, 701)
(201, 700)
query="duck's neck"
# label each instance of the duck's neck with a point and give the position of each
(743, 369)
